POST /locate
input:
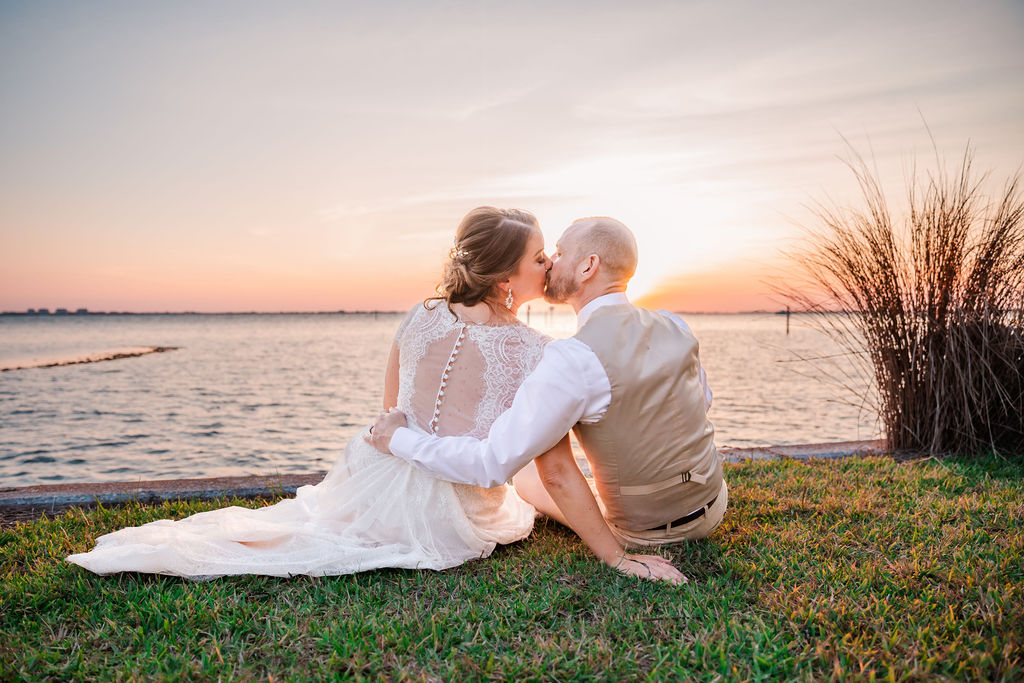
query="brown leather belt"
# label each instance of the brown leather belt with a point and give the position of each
(696, 514)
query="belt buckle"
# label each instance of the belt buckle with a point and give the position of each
(695, 515)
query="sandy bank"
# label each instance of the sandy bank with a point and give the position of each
(132, 352)
(28, 502)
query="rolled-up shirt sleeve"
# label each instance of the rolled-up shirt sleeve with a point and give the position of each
(567, 386)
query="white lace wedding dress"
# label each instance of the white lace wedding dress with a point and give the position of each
(372, 510)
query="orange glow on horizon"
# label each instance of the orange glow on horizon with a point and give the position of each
(734, 288)
(207, 288)
(394, 286)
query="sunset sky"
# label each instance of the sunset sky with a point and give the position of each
(236, 156)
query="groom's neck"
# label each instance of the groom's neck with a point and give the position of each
(587, 296)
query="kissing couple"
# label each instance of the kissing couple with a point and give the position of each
(474, 399)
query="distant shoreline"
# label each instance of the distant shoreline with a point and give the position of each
(70, 314)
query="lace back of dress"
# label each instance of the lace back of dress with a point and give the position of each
(477, 367)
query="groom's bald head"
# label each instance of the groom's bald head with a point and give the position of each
(612, 241)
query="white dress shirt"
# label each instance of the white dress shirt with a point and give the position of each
(569, 385)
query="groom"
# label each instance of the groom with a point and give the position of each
(630, 384)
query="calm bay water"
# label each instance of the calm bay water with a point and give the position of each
(259, 394)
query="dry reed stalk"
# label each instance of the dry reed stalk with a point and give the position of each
(932, 302)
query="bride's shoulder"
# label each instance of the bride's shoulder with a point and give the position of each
(529, 346)
(411, 314)
(419, 315)
(433, 308)
(531, 335)
(515, 332)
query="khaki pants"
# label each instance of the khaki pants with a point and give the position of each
(698, 528)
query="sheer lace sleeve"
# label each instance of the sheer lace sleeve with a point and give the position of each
(405, 321)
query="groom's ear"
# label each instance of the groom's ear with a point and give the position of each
(588, 266)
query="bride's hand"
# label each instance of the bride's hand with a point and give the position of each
(651, 567)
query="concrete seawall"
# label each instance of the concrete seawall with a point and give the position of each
(28, 502)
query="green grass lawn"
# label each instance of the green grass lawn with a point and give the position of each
(859, 568)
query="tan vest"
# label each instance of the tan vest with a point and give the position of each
(653, 453)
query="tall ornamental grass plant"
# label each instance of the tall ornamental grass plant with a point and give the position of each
(932, 301)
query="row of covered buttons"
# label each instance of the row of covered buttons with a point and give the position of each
(444, 380)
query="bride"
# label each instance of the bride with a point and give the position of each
(455, 365)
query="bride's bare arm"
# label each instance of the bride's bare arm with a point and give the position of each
(569, 491)
(391, 379)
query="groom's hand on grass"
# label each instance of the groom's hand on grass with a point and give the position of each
(384, 428)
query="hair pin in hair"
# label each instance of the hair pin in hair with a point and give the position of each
(459, 253)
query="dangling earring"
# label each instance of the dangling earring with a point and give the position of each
(508, 299)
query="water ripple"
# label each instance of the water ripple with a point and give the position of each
(258, 394)
(39, 459)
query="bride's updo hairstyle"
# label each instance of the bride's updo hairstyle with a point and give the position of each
(488, 245)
